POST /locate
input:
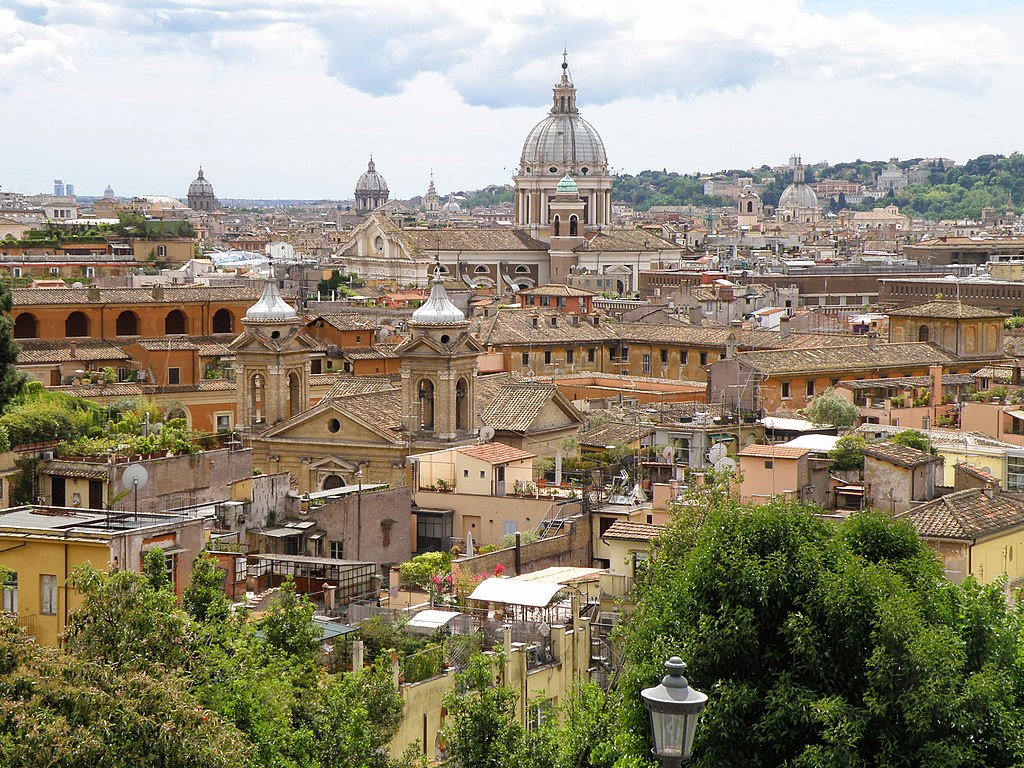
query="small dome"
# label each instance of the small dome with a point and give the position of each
(371, 181)
(567, 186)
(438, 308)
(798, 196)
(271, 307)
(451, 206)
(109, 191)
(200, 187)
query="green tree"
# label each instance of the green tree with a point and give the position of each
(288, 623)
(204, 597)
(154, 568)
(848, 453)
(913, 438)
(825, 646)
(11, 379)
(483, 730)
(832, 408)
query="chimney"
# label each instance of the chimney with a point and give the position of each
(730, 346)
(696, 316)
(935, 372)
(784, 327)
(158, 292)
(873, 340)
(94, 294)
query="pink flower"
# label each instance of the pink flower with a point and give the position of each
(499, 569)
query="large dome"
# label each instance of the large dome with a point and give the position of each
(563, 142)
(200, 187)
(371, 181)
(798, 195)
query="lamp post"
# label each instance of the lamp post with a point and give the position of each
(674, 709)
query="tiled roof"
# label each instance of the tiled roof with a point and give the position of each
(939, 437)
(615, 433)
(948, 309)
(900, 455)
(381, 409)
(847, 358)
(628, 530)
(378, 352)
(967, 515)
(1013, 345)
(717, 337)
(496, 453)
(428, 241)
(627, 240)
(948, 380)
(29, 297)
(68, 350)
(556, 290)
(514, 406)
(774, 451)
(515, 327)
(347, 321)
(977, 472)
(352, 385)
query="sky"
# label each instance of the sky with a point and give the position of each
(289, 98)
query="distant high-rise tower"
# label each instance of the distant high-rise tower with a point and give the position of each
(69, 190)
(58, 187)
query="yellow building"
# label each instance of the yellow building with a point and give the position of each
(43, 545)
(975, 531)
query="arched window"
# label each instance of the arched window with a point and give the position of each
(175, 322)
(223, 321)
(76, 324)
(482, 269)
(522, 269)
(574, 226)
(333, 481)
(26, 326)
(750, 206)
(256, 386)
(922, 333)
(462, 405)
(557, 224)
(294, 394)
(426, 397)
(127, 324)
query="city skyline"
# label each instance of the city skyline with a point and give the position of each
(289, 102)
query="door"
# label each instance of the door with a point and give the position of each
(499, 485)
(95, 494)
(59, 497)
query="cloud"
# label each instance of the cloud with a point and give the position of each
(28, 49)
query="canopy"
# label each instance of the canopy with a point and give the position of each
(515, 592)
(432, 619)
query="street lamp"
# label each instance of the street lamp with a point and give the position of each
(674, 708)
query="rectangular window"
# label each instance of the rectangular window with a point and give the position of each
(810, 387)
(591, 354)
(547, 357)
(482, 475)
(569, 357)
(684, 357)
(785, 390)
(48, 595)
(646, 363)
(161, 251)
(465, 473)
(15, 271)
(174, 375)
(224, 422)
(11, 594)
(625, 354)
(526, 358)
(664, 356)
(337, 550)
(241, 569)
(703, 358)
(768, 464)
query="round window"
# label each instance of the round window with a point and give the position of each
(528, 169)
(275, 334)
(584, 170)
(553, 169)
(445, 338)
(333, 425)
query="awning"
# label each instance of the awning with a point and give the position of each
(722, 437)
(282, 533)
(1017, 414)
(432, 619)
(513, 592)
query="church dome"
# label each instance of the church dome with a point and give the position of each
(798, 195)
(371, 181)
(452, 205)
(201, 187)
(563, 142)
(270, 307)
(109, 191)
(438, 309)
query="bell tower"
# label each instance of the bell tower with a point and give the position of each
(272, 362)
(438, 369)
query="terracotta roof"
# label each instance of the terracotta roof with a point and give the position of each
(556, 290)
(381, 409)
(717, 337)
(900, 455)
(615, 433)
(428, 241)
(352, 385)
(948, 309)
(847, 358)
(29, 297)
(631, 531)
(378, 352)
(35, 351)
(496, 453)
(515, 327)
(948, 380)
(348, 321)
(627, 240)
(514, 406)
(967, 515)
(977, 472)
(774, 451)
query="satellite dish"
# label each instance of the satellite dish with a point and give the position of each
(135, 476)
(668, 452)
(727, 464)
(717, 453)
(544, 629)
(487, 432)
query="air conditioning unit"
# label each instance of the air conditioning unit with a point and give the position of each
(47, 455)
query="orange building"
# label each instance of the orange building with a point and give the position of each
(564, 298)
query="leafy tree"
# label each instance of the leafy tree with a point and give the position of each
(11, 379)
(154, 568)
(204, 597)
(825, 646)
(288, 623)
(848, 453)
(913, 438)
(419, 570)
(483, 730)
(832, 408)
(581, 736)
(64, 711)
(125, 621)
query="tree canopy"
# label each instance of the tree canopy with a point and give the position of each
(832, 408)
